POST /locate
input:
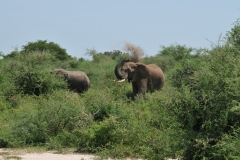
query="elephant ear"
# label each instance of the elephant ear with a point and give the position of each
(141, 72)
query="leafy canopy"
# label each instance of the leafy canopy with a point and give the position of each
(43, 45)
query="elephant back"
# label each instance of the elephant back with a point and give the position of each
(157, 75)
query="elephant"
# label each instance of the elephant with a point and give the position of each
(77, 81)
(144, 78)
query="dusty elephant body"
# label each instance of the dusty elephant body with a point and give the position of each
(144, 78)
(78, 81)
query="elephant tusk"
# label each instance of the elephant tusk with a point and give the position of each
(122, 80)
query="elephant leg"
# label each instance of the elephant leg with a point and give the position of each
(135, 88)
(151, 85)
(142, 86)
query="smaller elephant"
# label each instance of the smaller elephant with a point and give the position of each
(78, 81)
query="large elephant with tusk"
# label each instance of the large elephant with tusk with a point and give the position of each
(144, 78)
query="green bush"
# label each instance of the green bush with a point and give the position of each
(166, 63)
(43, 46)
(178, 52)
(41, 118)
(233, 36)
(146, 123)
(208, 91)
(29, 73)
(226, 148)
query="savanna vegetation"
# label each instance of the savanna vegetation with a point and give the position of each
(195, 116)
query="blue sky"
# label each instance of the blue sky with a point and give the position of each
(106, 25)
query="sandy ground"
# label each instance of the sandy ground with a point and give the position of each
(51, 156)
(8, 154)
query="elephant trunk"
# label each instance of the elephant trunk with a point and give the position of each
(118, 73)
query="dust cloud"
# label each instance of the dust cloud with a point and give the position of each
(136, 52)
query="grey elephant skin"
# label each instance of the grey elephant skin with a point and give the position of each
(78, 81)
(144, 78)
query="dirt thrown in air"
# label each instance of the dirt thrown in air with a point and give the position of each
(136, 52)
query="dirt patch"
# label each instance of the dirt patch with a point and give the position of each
(6, 154)
(22, 154)
(52, 156)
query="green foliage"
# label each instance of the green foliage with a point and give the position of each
(206, 83)
(29, 73)
(166, 63)
(106, 56)
(103, 120)
(43, 46)
(226, 148)
(233, 36)
(12, 54)
(1, 55)
(178, 52)
(208, 91)
(169, 57)
(97, 57)
(113, 54)
(55, 114)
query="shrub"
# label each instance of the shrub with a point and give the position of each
(29, 73)
(48, 117)
(166, 63)
(178, 52)
(144, 128)
(233, 37)
(43, 46)
(208, 90)
(226, 148)
(113, 54)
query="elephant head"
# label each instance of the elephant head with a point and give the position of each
(143, 77)
(119, 72)
(126, 69)
(60, 72)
